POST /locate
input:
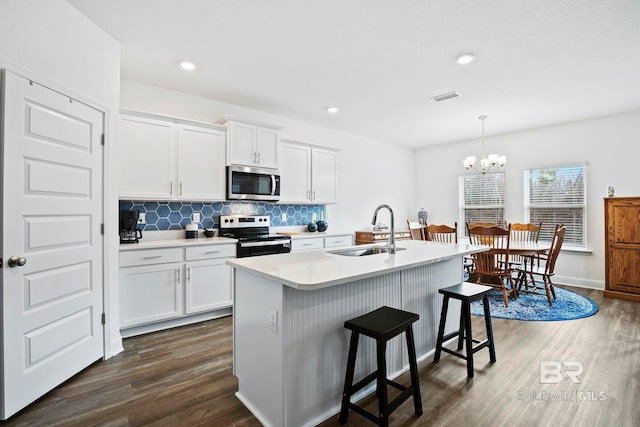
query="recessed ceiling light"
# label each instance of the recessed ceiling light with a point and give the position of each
(332, 110)
(189, 66)
(465, 58)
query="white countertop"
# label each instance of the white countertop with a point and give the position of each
(309, 235)
(171, 243)
(309, 270)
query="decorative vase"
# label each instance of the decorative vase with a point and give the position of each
(312, 227)
(422, 216)
(322, 225)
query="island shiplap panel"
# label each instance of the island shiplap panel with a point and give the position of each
(420, 295)
(314, 321)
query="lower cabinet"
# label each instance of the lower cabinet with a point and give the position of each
(208, 286)
(167, 287)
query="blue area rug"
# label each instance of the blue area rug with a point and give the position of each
(568, 305)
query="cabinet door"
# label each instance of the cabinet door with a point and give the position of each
(324, 170)
(295, 173)
(201, 164)
(150, 293)
(208, 286)
(267, 147)
(242, 149)
(146, 153)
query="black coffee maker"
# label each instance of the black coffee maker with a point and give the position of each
(129, 233)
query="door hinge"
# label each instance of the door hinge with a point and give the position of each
(102, 228)
(104, 318)
(102, 139)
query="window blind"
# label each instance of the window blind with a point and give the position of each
(557, 195)
(481, 198)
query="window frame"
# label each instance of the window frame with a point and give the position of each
(547, 231)
(462, 207)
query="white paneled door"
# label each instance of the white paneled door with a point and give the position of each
(52, 290)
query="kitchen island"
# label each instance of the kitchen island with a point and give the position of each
(290, 346)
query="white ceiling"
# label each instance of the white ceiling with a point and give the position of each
(538, 62)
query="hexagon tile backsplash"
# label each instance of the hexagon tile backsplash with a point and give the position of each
(176, 215)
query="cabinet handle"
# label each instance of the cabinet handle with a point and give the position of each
(152, 257)
(309, 195)
(255, 157)
(171, 188)
(188, 274)
(181, 188)
(211, 252)
(314, 195)
(178, 275)
(307, 244)
(258, 153)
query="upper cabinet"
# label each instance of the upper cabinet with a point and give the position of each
(163, 158)
(308, 173)
(252, 143)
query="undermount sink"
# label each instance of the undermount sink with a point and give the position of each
(365, 251)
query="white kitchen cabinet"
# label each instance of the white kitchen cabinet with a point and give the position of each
(252, 143)
(166, 287)
(147, 158)
(150, 294)
(201, 163)
(164, 158)
(208, 286)
(320, 241)
(308, 173)
(208, 277)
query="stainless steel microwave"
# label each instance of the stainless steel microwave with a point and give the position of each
(251, 183)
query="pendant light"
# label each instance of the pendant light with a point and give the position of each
(487, 162)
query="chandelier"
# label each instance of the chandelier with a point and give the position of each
(487, 162)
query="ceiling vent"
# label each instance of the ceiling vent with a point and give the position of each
(445, 96)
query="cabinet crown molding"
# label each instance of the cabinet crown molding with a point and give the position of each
(172, 119)
(229, 118)
(308, 144)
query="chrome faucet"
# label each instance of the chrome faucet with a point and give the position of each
(391, 243)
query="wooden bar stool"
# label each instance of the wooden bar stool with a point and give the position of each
(382, 325)
(466, 293)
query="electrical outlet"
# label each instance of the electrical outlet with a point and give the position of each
(283, 216)
(313, 217)
(273, 320)
(196, 217)
(141, 218)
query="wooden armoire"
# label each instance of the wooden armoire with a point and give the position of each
(622, 248)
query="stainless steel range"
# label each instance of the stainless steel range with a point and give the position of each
(252, 232)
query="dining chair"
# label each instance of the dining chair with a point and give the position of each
(523, 232)
(491, 267)
(442, 233)
(416, 230)
(528, 275)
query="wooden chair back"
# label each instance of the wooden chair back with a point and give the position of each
(495, 261)
(527, 232)
(416, 230)
(556, 245)
(442, 233)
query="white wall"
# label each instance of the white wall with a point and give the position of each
(51, 42)
(610, 145)
(370, 172)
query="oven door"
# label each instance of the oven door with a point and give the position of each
(253, 248)
(249, 183)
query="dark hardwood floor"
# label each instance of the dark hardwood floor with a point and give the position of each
(183, 377)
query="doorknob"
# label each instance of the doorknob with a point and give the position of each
(16, 261)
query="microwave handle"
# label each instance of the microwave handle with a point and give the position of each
(273, 185)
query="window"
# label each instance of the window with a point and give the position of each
(554, 195)
(481, 198)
